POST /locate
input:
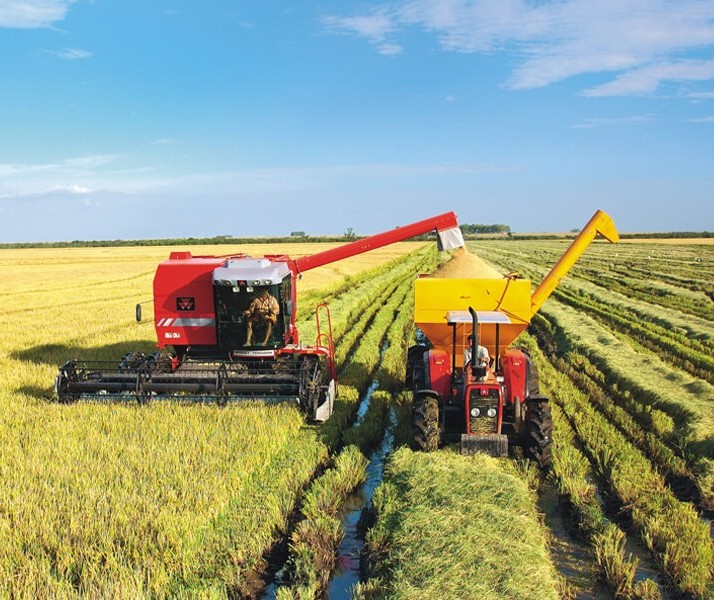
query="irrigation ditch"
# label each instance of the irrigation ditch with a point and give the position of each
(350, 552)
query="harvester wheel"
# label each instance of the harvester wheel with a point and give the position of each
(538, 433)
(311, 376)
(426, 422)
(67, 374)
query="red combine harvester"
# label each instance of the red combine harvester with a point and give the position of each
(226, 329)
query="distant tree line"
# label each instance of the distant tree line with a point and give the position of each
(669, 235)
(190, 241)
(349, 235)
(469, 229)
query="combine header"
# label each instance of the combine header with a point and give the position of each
(225, 327)
(468, 384)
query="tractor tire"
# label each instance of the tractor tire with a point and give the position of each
(415, 367)
(425, 421)
(538, 433)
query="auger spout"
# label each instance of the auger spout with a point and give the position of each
(600, 223)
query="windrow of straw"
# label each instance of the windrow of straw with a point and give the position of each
(671, 529)
(572, 473)
(686, 399)
(445, 525)
(691, 355)
(655, 322)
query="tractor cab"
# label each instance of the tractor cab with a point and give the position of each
(253, 303)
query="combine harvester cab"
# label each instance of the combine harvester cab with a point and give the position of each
(469, 384)
(226, 330)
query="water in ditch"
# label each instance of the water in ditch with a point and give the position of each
(572, 556)
(350, 550)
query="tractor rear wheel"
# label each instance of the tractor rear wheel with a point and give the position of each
(415, 367)
(426, 422)
(538, 432)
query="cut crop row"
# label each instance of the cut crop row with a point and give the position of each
(645, 380)
(624, 269)
(670, 528)
(571, 471)
(444, 525)
(688, 354)
(592, 382)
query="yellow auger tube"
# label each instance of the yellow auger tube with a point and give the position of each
(600, 223)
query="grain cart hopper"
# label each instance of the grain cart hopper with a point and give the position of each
(463, 394)
(225, 327)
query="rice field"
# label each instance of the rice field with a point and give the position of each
(195, 501)
(624, 351)
(129, 501)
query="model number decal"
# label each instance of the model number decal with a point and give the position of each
(172, 335)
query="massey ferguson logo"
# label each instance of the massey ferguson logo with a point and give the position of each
(186, 303)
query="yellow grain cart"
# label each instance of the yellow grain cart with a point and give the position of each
(468, 382)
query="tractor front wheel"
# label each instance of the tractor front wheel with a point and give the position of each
(538, 432)
(426, 422)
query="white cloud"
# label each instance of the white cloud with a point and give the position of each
(702, 120)
(55, 190)
(91, 161)
(73, 54)
(31, 14)
(375, 27)
(594, 122)
(641, 41)
(19, 180)
(389, 49)
(701, 95)
(648, 78)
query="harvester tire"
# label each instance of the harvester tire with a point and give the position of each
(426, 422)
(538, 432)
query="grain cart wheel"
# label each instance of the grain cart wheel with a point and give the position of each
(538, 432)
(425, 421)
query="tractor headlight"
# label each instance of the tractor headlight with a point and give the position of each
(475, 412)
(491, 412)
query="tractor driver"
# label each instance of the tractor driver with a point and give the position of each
(263, 309)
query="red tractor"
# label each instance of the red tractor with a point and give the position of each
(469, 385)
(225, 327)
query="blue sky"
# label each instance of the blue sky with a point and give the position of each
(127, 119)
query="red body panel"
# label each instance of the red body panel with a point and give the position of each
(514, 365)
(439, 368)
(185, 277)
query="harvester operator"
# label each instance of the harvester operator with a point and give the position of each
(264, 309)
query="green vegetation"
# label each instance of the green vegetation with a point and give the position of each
(450, 526)
(315, 539)
(626, 344)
